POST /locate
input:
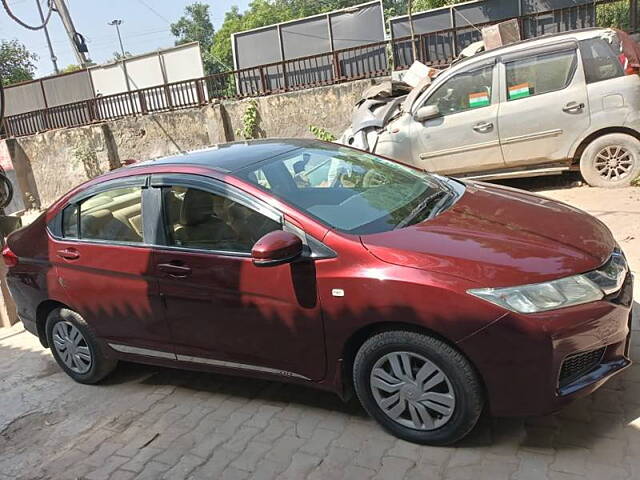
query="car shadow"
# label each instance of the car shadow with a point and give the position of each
(610, 414)
(539, 184)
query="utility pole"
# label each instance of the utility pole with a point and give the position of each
(116, 23)
(77, 40)
(54, 60)
(413, 33)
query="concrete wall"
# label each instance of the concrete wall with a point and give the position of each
(51, 163)
(291, 114)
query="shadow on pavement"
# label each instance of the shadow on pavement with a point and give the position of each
(539, 184)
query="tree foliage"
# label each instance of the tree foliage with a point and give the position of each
(72, 67)
(16, 62)
(421, 5)
(613, 15)
(195, 26)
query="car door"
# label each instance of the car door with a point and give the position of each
(464, 137)
(103, 263)
(544, 107)
(222, 309)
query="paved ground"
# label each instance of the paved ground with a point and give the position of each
(148, 422)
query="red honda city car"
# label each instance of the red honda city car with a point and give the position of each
(298, 260)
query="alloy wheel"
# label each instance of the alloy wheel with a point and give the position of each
(412, 391)
(614, 162)
(72, 348)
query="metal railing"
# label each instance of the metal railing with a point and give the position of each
(436, 49)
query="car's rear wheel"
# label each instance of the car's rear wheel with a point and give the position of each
(75, 347)
(611, 160)
(417, 387)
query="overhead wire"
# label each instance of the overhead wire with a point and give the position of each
(26, 25)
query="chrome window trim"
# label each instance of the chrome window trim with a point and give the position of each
(222, 253)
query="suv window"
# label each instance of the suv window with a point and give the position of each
(464, 91)
(203, 220)
(540, 74)
(600, 60)
(114, 215)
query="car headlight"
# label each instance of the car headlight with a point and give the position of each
(565, 292)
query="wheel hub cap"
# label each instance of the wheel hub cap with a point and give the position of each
(71, 347)
(614, 162)
(412, 391)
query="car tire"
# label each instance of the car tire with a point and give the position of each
(611, 161)
(442, 401)
(75, 348)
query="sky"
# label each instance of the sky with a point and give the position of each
(145, 27)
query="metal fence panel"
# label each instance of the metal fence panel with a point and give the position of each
(68, 88)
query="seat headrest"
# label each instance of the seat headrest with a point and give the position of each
(95, 222)
(197, 207)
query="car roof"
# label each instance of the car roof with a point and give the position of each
(524, 45)
(231, 157)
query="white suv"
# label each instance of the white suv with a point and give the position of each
(541, 106)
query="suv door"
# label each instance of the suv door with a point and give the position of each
(103, 262)
(464, 138)
(222, 310)
(544, 106)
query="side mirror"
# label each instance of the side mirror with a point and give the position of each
(276, 248)
(427, 113)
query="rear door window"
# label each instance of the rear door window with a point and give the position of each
(600, 60)
(114, 215)
(540, 74)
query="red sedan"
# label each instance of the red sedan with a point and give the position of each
(430, 298)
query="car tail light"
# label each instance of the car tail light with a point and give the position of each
(10, 258)
(624, 61)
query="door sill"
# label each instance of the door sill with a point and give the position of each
(516, 173)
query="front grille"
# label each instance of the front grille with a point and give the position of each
(579, 364)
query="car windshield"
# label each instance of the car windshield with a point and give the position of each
(352, 191)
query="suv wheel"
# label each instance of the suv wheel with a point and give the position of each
(611, 161)
(417, 387)
(75, 347)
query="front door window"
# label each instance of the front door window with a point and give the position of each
(203, 220)
(465, 91)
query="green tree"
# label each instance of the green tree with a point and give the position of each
(613, 15)
(422, 5)
(195, 26)
(71, 68)
(16, 62)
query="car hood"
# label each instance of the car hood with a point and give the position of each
(497, 237)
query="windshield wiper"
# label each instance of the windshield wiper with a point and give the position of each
(421, 207)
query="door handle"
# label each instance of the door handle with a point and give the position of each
(483, 127)
(573, 107)
(173, 270)
(69, 254)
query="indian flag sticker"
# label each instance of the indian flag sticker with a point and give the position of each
(480, 99)
(519, 91)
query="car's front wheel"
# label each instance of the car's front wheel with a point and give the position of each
(75, 347)
(417, 387)
(611, 160)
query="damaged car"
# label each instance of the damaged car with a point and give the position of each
(544, 106)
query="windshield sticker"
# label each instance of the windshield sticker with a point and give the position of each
(519, 91)
(480, 99)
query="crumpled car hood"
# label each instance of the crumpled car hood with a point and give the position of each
(497, 237)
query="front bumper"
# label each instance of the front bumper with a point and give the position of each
(521, 357)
